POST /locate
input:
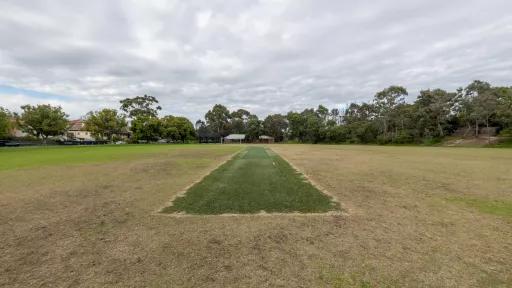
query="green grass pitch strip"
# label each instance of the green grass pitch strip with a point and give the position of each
(255, 180)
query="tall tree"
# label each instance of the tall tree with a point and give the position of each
(204, 133)
(434, 110)
(275, 126)
(322, 112)
(471, 97)
(43, 121)
(305, 126)
(104, 124)
(5, 123)
(254, 127)
(297, 125)
(199, 123)
(218, 119)
(336, 115)
(140, 106)
(360, 122)
(239, 120)
(485, 107)
(504, 107)
(385, 103)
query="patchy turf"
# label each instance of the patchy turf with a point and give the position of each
(92, 224)
(31, 157)
(494, 207)
(255, 180)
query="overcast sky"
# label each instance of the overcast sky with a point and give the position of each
(265, 56)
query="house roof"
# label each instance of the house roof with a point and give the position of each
(235, 137)
(76, 125)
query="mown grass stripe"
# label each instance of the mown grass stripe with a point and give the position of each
(255, 180)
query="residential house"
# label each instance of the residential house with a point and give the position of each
(77, 131)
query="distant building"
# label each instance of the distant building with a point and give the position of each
(266, 139)
(234, 138)
(77, 131)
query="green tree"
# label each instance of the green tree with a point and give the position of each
(218, 119)
(204, 133)
(177, 128)
(275, 126)
(140, 106)
(239, 121)
(336, 133)
(434, 108)
(43, 121)
(104, 124)
(305, 126)
(147, 128)
(5, 123)
(385, 103)
(297, 125)
(485, 107)
(336, 115)
(471, 98)
(322, 112)
(504, 106)
(314, 124)
(405, 123)
(254, 127)
(360, 122)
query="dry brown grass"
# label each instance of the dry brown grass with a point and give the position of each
(92, 225)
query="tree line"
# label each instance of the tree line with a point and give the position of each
(388, 118)
(138, 117)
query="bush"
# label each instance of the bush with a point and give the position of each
(431, 141)
(383, 140)
(507, 132)
(403, 138)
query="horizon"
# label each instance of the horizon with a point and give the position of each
(266, 57)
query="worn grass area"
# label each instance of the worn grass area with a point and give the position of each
(256, 180)
(93, 224)
(23, 157)
(401, 230)
(494, 207)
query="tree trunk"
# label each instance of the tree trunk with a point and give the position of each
(467, 130)
(385, 128)
(488, 132)
(441, 133)
(476, 128)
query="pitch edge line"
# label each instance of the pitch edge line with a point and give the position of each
(183, 191)
(343, 211)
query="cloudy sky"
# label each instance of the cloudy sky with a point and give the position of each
(267, 56)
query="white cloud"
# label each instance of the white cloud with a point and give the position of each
(203, 18)
(268, 56)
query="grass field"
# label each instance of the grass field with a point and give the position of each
(25, 157)
(415, 217)
(256, 180)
